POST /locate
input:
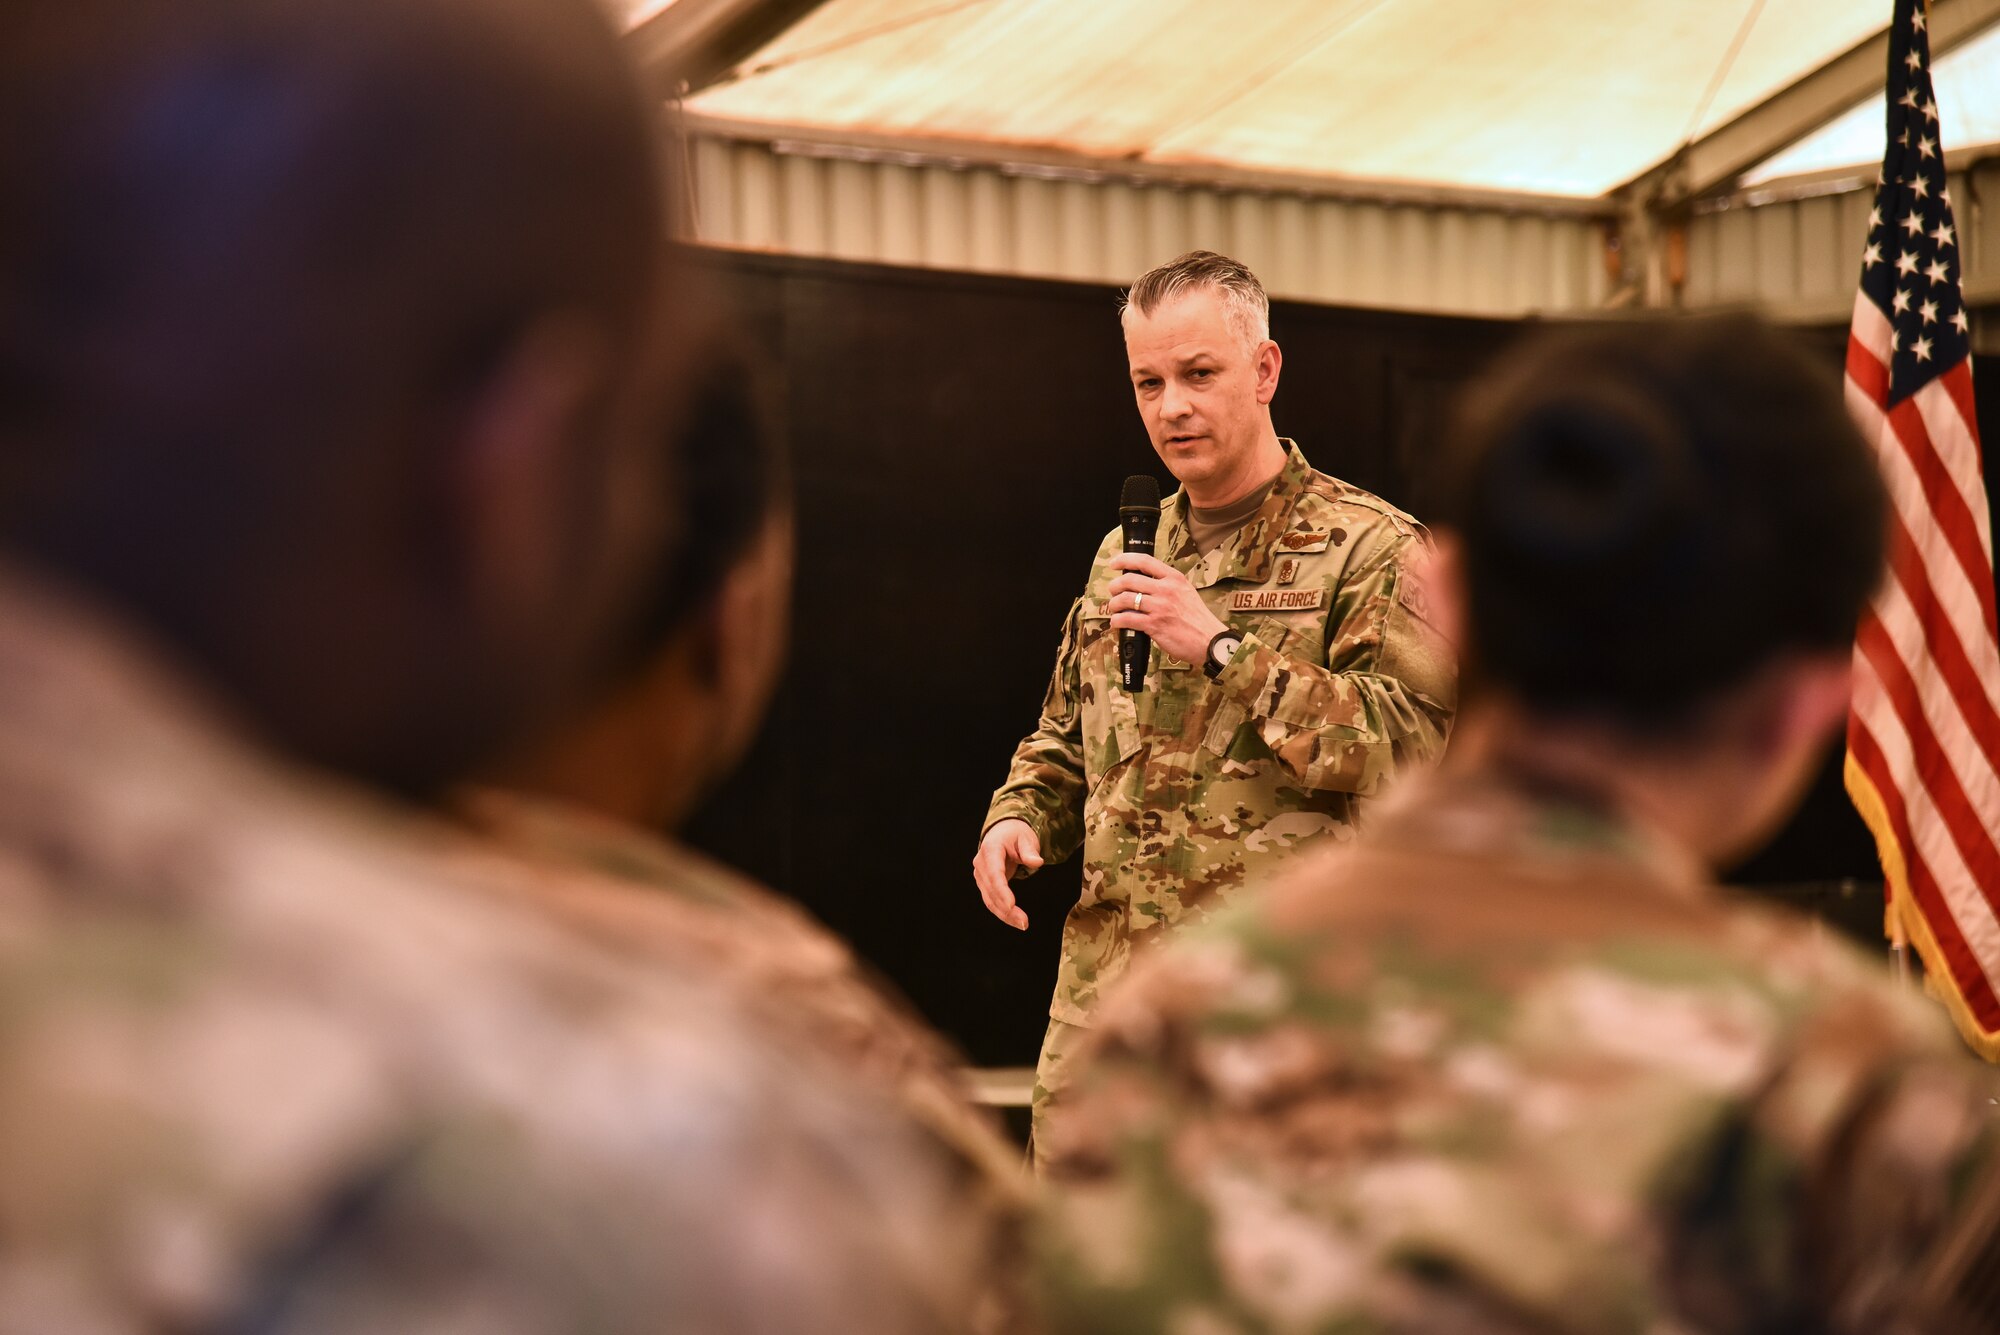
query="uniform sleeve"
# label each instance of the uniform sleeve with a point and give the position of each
(1859, 1192)
(1383, 698)
(1122, 1240)
(1045, 784)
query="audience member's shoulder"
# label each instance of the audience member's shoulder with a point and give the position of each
(586, 852)
(649, 897)
(263, 1030)
(1811, 968)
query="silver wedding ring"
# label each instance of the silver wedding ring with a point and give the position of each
(1138, 602)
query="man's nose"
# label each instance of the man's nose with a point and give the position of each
(1173, 401)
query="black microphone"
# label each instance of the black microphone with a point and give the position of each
(1139, 516)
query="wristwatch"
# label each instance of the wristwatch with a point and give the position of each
(1220, 650)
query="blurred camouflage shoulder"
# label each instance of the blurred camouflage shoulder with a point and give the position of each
(1505, 1068)
(276, 1056)
(658, 899)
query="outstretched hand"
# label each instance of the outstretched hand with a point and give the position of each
(1009, 849)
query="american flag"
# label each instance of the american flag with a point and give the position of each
(1923, 739)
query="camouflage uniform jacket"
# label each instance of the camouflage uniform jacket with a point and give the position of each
(1504, 1065)
(279, 1057)
(694, 915)
(1180, 793)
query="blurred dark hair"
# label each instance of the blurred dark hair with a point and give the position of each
(732, 477)
(1650, 512)
(259, 264)
(230, 223)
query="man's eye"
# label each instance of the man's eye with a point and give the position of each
(1149, 384)
(1200, 373)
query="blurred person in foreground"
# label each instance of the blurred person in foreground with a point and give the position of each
(1513, 1062)
(1291, 677)
(332, 412)
(583, 804)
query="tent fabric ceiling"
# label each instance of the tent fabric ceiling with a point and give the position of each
(1967, 84)
(1559, 97)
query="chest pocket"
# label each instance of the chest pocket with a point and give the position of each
(1110, 717)
(1300, 636)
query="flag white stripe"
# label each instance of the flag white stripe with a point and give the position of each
(1951, 441)
(1950, 438)
(1947, 578)
(1872, 327)
(1949, 728)
(1954, 880)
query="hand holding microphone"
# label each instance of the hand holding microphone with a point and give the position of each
(1154, 599)
(1151, 602)
(1139, 516)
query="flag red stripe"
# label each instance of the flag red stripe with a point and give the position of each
(1966, 972)
(1955, 594)
(1947, 506)
(1957, 383)
(1947, 651)
(1934, 769)
(1867, 371)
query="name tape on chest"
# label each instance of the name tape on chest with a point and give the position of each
(1277, 600)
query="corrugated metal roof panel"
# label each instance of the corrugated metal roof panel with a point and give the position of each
(1414, 256)
(1801, 258)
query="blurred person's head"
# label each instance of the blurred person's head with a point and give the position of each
(1204, 370)
(704, 660)
(322, 330)
(1658, 540)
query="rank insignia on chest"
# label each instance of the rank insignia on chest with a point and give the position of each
(1288, 570)
(1276, 600)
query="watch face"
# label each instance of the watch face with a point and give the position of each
(1221, 651)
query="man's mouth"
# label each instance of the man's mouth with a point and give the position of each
(1183, 438)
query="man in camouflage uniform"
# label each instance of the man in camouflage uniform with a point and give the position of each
(1292, 674)
(1511, 1062)
(332, 425)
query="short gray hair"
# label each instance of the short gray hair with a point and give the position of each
(1240, 290)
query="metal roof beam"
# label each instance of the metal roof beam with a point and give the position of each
(692, 43)
(1724, 153)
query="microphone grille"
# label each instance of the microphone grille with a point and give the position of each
(1142, 492)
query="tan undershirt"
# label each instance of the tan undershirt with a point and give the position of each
(1211, 528)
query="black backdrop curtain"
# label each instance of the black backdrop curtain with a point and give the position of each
(958, 442)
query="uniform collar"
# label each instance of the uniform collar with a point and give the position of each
(1246, 554)
(1510, 811)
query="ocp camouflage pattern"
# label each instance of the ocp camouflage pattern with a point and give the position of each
(1505, 1065)
(1177, 795)
(278, 1055)
(664, 903)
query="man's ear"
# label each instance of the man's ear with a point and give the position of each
(511, 478)
(752, 629)
(1439, 573)
(1815, 696)
(1270, 362)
